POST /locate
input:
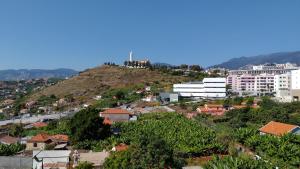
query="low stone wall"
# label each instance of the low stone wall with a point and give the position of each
(15, 162)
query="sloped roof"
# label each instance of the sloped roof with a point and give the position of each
(116, 111)
(42, 137)
(60, 137)
(39, 124)
(107, 121)
(8, 139)
(277, 128)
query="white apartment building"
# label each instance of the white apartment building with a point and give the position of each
(295, 85)
(282, 87)
(251, 84)
(208, 88)
(266, 69)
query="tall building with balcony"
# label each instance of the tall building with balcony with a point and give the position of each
(247, 84)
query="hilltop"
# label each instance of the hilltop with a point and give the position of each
(96, 81)
(26, 74)
(281, 57)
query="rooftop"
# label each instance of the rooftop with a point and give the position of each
(8, 139)
(277, 128)
(39, 124)
(115, 111)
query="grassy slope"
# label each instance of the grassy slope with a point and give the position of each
(95, 81)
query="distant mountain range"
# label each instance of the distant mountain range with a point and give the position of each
(26, 74)
(281, 57)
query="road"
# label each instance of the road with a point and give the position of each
(37, 118)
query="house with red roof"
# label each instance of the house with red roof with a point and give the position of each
(120, 147)
(212, 109)
(40, 141)
(279, 129)
(115, 115)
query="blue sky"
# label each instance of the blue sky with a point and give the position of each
(80, 34)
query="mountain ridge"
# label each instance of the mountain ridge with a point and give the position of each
(27, 74)
(279, 57)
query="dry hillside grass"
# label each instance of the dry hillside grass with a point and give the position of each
(95, 81)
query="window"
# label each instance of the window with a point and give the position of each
(34, 144)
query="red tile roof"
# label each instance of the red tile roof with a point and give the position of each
(215, 110)
(60, 138)
(42, 137)
(107, 121)
(277, 128)
(39, 124)
(121, 147)
(116, 111)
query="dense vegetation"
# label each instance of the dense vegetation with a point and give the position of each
(186, 137)
(283, 151)
(150, 151)
(268, 111)
(243, 162)
(88, 125)
(12, 149)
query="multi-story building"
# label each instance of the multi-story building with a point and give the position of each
(295, 85)
(266, 69)
(208, 88)
(282, 87)
(251, 84)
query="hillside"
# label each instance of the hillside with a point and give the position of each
(26, 74)
(282, 57)
(96, 81)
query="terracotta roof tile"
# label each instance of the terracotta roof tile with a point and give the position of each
(121, 147)
(60, 137)
(39, 124)
(116, 111)
(107, 121)
(42, 137)
(277, 128)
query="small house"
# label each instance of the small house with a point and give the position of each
(116, 115)
(96, 158)
(279, 129)
(212, 109)
(50, 159)
(40, 141)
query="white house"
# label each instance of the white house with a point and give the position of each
(51, 159)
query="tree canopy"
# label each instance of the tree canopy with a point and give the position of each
(88, 125)
(150, 151)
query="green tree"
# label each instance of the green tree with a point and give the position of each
(149, 152)
(16, 130)
(84, 165)
(88, 125)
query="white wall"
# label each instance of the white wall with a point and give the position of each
(295, 74)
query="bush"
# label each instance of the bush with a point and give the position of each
(84, 165)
